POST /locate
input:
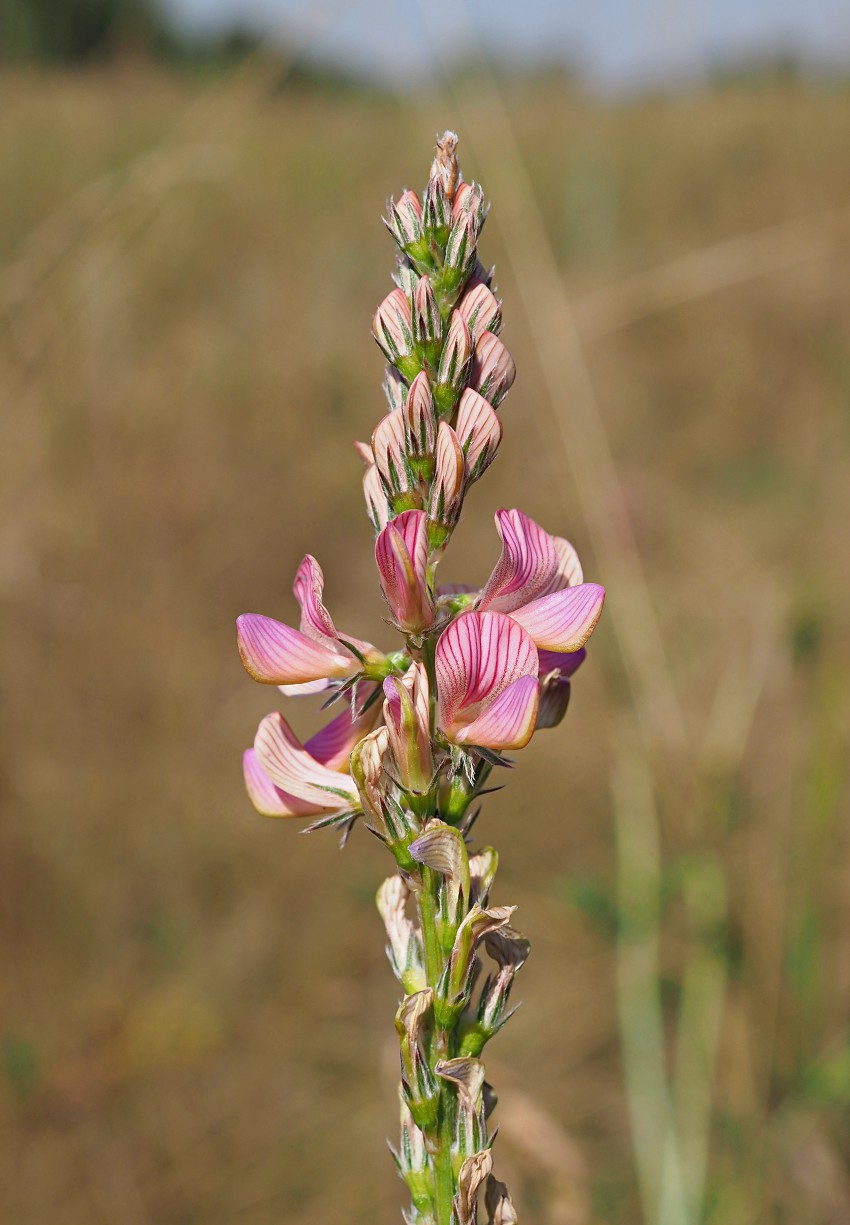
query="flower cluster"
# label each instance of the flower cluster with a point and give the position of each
(421, 728)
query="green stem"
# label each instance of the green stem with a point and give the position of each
(444, 1179)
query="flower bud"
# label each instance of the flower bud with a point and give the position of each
(437, 218)
(447, 491)
(420, 428)
(493, 369)
(404, 222)
(481, 310)
(407, 716)
(401, 554)
(407, 278)
(469, 199)
(427, 324)
(453, 370)
(461, 249)
(479, 432)
(391, 460)
(377, 507)
(395, 388)
(392, 327)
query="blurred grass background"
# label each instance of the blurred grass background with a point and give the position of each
(195, 1007)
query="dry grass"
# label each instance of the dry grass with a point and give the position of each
(189, 995)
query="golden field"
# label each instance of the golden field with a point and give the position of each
(195, 1007)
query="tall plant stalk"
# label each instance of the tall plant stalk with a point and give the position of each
(422, 729)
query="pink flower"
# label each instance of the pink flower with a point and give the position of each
(285, 779)
(276, 654)
(401, 552)
(487, 688)
(537, 581)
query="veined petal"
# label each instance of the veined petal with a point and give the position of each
(479, 655)
(532, 564)
(268, 799)
(316, 622)
(401, 554)
(308, 588)
(564, 620)
(479, 432)
(290, 767)
(332, 745)
(508, 722)
(303, 691)
(276, 654)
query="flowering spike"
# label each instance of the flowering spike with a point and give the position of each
(493, 369)
(419, 732)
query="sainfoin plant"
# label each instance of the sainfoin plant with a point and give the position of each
(421, 729)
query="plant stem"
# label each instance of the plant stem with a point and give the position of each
(444, 1179)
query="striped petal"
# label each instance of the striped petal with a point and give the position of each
(268, 799)
(316, 621)
(532, 564)
(290, 767)
(401, 553)
(276, 654)
(478, 656)
(479, 432)
(508, 722)
(564, 620)
(332, 746)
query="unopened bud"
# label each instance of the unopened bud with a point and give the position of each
(377, 507)
(437, 218)
(459, 260)
(481, 310)
(447, 491)
(404, 222)
(391, 458)
(453, 370)
(392, 327)
(427, 324)
(479, 432)
(469, 199)
(395, 388)
(493, 369)
(420, 428)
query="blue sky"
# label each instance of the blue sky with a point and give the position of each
(617, 43)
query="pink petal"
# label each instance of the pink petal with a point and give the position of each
(508, 722)
(309, 588)
(479, 432)
(564, 620)
(332, 746)
(276, 654)
(477, 656)
(401, 554)
(303, 691)
(268, 799)
(295, 771)
(532, 564)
